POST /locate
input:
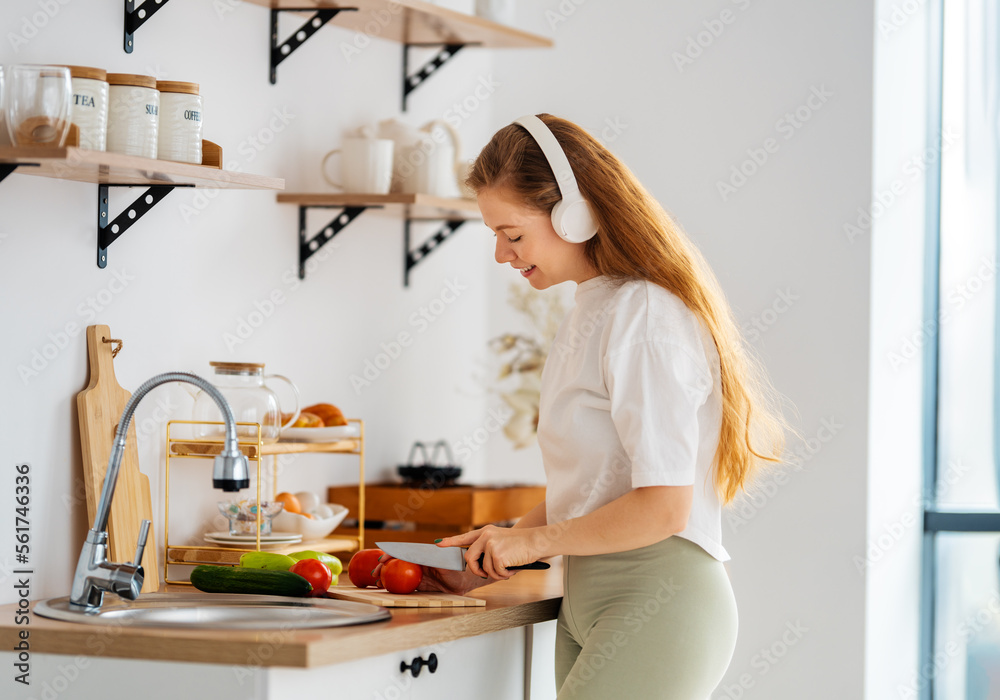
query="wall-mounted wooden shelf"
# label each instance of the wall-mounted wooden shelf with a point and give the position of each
(416, 22)
(108, 170)
(103, 167)
(410, 22)
(410, 207)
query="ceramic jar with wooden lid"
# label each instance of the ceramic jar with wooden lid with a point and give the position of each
(89, 106)
(180, 121)
(133, 114)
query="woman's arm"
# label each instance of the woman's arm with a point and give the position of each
(639, 518)
(533, 518)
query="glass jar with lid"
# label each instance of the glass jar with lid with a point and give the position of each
(243, 384)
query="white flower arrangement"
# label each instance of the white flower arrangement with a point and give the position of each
(522, 359)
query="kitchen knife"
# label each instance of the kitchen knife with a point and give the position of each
(452, 558)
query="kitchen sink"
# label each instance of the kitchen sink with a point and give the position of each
(217, 611)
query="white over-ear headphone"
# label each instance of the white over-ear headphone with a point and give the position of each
(571, 216)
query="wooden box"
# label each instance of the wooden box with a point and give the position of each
(433, 513)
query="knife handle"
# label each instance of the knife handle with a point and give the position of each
(540, 565)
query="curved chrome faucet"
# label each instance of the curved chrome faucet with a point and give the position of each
(94, 573)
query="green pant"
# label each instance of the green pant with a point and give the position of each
(654, 622)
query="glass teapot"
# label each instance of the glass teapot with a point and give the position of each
(252, 401)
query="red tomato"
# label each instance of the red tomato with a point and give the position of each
(400, 576)
(360, 568)
(316, 573)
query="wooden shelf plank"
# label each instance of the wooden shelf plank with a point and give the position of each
(101, 167)
(416, 206)
(287, 448)
(417, 22)
(226, 555)
(199, 448)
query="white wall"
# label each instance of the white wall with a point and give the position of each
(796, 282)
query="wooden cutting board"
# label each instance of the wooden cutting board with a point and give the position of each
(100, 406)
(419, 599)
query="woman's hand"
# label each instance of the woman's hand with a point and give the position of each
(500, 548)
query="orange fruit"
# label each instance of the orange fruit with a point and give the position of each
(291, 502)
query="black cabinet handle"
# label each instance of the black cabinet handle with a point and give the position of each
(418, 663)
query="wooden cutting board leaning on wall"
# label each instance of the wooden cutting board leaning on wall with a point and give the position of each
(100, 406)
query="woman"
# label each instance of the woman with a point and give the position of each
(652, 417)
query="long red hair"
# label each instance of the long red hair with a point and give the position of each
(637, 239)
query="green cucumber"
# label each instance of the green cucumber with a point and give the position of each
(234, 579)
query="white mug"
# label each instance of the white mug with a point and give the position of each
(365, 165)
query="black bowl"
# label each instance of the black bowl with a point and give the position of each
(426, 476)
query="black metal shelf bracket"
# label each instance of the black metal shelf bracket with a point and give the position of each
(310, 246)
(414, 256)
(279, 52)
(136, 17)
(110, 231)
(412, 82)
(7, 168)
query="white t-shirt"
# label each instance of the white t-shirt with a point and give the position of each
(631, 396)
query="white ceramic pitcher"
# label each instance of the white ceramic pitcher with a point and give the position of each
(426, 159)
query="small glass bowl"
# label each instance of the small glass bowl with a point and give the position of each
(242, 516)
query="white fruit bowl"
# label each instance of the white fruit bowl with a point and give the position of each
(310, 528)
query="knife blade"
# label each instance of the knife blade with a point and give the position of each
(451, 558)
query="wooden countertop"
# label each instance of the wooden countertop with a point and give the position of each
(527, 598)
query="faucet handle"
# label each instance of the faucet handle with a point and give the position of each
(140, 544)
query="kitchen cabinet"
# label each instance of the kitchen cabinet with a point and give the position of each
(487, 667)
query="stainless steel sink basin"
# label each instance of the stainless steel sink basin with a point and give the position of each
(217, 611)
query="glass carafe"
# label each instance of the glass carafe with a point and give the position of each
(243, 386)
